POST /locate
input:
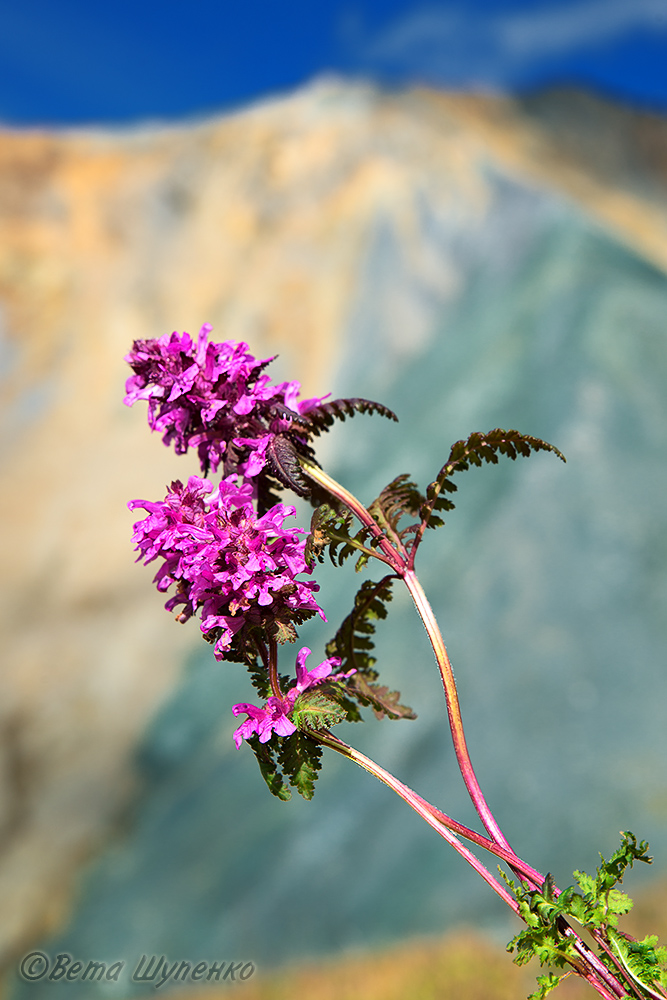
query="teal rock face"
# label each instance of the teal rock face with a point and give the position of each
(550, 582)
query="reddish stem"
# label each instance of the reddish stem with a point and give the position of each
(591, 968)
(404, 568)
(273, 668)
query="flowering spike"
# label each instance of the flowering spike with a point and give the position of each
(239, 572)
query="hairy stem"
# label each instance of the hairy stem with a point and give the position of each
(391, 556)
(423, 808)
(410, 796)
(453, 707)
(431, 625)
(591, 968)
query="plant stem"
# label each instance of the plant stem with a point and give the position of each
(426, 613)
(465, 763)
(391, 556)
(453, 707)
(423, 808)
(591, 968)
(509, 857)
(273, 668)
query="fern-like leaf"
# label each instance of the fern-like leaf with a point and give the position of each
(475, 450)
(330, 529)
(353, 644)
(320, 418)
(401, 497)
(378, 697)
(284, 464)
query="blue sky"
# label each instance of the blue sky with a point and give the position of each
(73, 62)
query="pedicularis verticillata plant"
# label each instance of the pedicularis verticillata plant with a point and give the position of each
(226, 554)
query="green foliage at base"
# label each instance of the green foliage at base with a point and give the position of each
(597, 907)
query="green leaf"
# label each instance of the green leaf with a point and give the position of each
(612, 871)
(642, 959)
(268, 766)
(260, 681)
(294, 757)
(315, 710)
(353, 642)
(599, 909)
(546, 984)
(586, 882)
(300, 759)
(331, 528)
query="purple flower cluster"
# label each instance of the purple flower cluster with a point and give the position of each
(274, 717)
(214, 397)
(238, 570)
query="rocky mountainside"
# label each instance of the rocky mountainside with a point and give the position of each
(469, 260)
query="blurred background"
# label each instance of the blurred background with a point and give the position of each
(459, 210)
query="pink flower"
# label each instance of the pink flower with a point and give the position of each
(292, 390)
(274, 717)
(199, 394)
(240, 572)
(264, 721)
(308, 678)
(214, 397)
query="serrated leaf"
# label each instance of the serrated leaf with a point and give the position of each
(283, 631)
(284, 463)
(586, 882)
(599, 910)
(400, 498)
(260, 681)
(323, 517)
(268, 766)
(618, 902)
(546, 984)
(380, 699)
(315, 710)
(320, 418)
(300, 759)
(475, 450)
(352, 641)
(641, 958)
(330, 529)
